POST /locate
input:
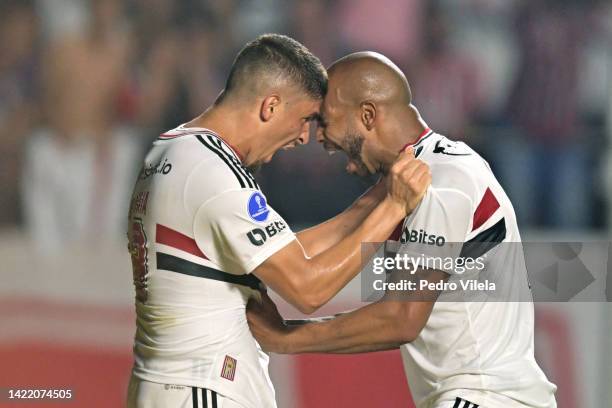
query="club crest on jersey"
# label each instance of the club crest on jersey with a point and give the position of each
(257, 207)
(229, 368)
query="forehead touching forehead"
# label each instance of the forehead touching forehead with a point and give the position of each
(307, 107)
(336, 88)
(329, 106)
(340, 99)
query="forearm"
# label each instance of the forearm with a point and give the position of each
(372, 328)
(335, 267)
(366, 348)
(299, 322)
(321, 237)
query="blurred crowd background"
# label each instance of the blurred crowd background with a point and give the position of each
(86, 85)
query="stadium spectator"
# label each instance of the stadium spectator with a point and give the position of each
(154, 66)
(156, 91)
(79, 167)
(18, 98)
(447, 86)
(308, 14)
(360, 22)
(546, 165)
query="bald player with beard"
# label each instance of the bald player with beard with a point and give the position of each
(457, 353)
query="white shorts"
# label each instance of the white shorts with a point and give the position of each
(145, 394)
(487, 399)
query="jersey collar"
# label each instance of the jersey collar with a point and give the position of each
(235, 150)
(426, 133)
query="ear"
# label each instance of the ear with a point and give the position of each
(269, 106)
(368, 114)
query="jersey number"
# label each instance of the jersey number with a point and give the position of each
(138, 252)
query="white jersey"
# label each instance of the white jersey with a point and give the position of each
(481, 351)
(198, 227)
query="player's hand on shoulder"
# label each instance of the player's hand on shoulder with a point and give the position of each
(266, 323)
(408, 180)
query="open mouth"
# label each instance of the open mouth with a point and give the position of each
(331, 147)
(290, 146)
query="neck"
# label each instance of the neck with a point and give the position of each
(408, 126)
(229, 123)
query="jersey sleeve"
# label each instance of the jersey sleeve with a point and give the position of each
(437, 228)
(238, 231)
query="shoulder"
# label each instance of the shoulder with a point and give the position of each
(221, 163)
(209, 166)
(455, 166)
(463, 180)
(212, 162)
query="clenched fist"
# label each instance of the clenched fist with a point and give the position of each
(408, 180)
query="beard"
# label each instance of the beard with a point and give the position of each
(354, 148)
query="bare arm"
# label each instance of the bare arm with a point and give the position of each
(308, 283)
(383, 325)
(327, 234)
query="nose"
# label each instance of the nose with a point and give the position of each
(305, 133)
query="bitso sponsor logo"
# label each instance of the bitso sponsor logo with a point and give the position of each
(258, 236)
(422, 237)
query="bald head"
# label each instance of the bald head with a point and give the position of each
(368, 112)
(368, 76)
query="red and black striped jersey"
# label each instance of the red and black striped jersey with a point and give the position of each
(198, 226)
(481, 345)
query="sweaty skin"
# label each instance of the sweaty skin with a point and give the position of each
(260, 119)
(368, 98)
(364, 76)
(310, 282)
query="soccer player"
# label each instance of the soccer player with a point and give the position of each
(201, 234)
(456, 354)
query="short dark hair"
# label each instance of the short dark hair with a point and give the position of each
(275, 51)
